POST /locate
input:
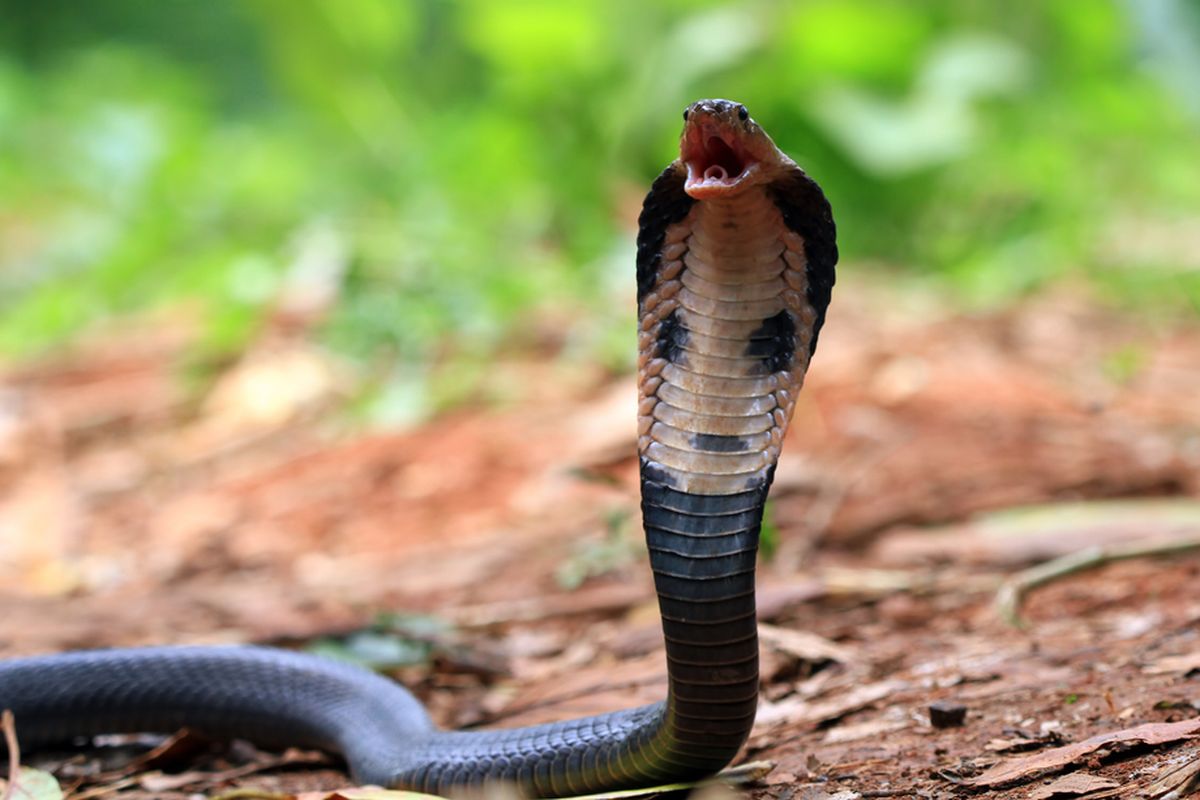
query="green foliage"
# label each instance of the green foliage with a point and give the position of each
(31, 784)
(1123, 365)
(768, 536)
(595, 558)
(394, 641)
(483, 160)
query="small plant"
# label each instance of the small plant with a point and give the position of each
(593, 559)
(768, 537)
(393, 641)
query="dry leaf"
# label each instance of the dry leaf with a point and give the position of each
(1021, 768)
(367, 793)
(162, 782)
(374, 793)
(865, 730)
(1072, 785)
(804, 645)
(1182, 664)
(798, 711)
(1040, 533)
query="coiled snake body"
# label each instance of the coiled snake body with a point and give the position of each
(735, 264)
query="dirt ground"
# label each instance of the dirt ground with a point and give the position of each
(933, 455)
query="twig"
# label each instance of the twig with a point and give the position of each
(603, 600)
(253, 793)
(9, 725)
(1012, 593)
(740, 775)
(107, 788)
(567, 696)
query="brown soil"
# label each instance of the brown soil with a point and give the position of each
(135, 510)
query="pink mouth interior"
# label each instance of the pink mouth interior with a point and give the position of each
(713, 161)
(719, 161)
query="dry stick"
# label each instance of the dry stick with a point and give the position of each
(565, 697)
(9, 725)
(1012, 594)
(1177, 783)
(829, 499)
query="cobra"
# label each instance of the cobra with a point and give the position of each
(735, 265)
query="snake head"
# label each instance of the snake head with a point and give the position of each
(724, 150)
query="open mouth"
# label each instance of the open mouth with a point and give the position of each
(714, 163)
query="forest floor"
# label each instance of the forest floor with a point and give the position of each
(492, 556)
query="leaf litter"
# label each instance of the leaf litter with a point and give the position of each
(119, 492)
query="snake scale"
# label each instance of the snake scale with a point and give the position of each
(735, 264)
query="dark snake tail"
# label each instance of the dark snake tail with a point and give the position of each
(732, 290)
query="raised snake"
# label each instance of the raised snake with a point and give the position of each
(735, 264)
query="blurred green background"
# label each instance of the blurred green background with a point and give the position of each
(449, 171)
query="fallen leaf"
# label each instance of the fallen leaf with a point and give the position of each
(734, 776)
(1028, 534)
(32, 784)
(366, 793)
(254, 793)
(799, 711)
(864, 730)
(270, 386)
(372, 793)
(1022, 744)
(804, 645)
(716, 787)
(819, 793)
(1072, 785)
(162, 782)
(1183, 664)
(782, 778)
(1021, 768)
(177, 749)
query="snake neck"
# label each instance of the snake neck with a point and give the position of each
(723, 347)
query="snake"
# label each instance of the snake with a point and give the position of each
(736, 255)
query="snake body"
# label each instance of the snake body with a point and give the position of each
(735, 264)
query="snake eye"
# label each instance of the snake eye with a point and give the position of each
(685, 112)
(743, 114)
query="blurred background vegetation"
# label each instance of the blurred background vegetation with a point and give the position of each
(450, 171)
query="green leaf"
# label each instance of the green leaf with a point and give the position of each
(380, 794)
(32, 784)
